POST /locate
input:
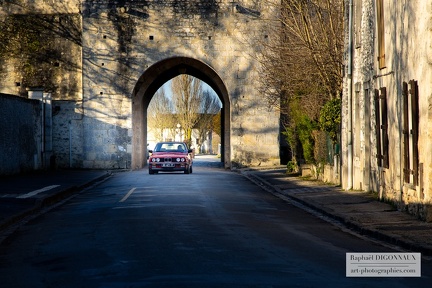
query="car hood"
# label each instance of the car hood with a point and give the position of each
(168, 154)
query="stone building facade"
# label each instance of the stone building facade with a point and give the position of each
(387, 102)
(103, 60)
(20, 144)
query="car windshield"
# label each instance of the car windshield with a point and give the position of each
(170, 147)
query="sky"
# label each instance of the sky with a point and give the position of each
(168, 91)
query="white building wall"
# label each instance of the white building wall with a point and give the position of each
(408, 57)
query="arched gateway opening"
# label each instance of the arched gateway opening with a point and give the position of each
(152, 79)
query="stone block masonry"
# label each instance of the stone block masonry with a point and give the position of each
(20, 137)
(121, 41)
(101, 98)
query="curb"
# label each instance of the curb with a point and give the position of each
(49, 201)
(351, 225)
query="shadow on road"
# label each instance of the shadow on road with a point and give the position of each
(205, 160)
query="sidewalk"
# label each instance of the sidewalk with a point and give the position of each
(28, 194)
(356, 210)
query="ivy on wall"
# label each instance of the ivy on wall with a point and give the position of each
(330, 118)
(299, 134)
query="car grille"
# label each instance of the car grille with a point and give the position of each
(170, 159)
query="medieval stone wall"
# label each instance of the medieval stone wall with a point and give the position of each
(121, 40)
(90, 55)
(20, 136)
(41, 47)
(68, 133)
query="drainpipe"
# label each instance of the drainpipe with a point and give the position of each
(70, 143)
(350, 91)
(38, 94)
(43, 131)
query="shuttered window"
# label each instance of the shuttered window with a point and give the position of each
(380, 32)
(381, 128)
(357, 22)
(411, 132)
(406, 133)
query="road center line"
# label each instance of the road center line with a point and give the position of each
(127, 195)
(35, 192)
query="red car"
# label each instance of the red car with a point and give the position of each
(170, 156)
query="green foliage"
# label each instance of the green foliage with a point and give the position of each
(330, 118)
(305, 127)
(291, 138)
(299, 131)
(292, 166)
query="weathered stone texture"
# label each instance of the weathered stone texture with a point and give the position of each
(20, 146)
(407, 37)
(68, 136)
(121, 41)
(41, 47)
(114, 43)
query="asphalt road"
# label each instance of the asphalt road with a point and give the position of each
(212, 228)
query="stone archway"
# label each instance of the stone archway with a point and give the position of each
(152, 79)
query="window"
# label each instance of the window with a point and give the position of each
(380, 28)
(411, 132)
(382, 142)
(357, 22)
(356, 120)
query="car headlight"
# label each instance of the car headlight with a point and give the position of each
(182, 159)
(178, 159)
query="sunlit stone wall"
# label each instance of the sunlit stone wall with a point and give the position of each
(121, 40)
(94, 52)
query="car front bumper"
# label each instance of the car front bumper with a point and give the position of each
(172, 167)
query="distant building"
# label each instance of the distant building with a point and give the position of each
(204, 141)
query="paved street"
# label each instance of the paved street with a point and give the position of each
(359, 211)
(212, 228)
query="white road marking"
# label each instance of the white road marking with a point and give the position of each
(158, 205)
(35, 192)
(127, 195)
(150, 189)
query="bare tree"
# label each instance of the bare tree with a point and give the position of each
(189, 106)
(210, 107)
(317, 25)
(303, 56)
(160, 114)
(187, 92)
(301, 63)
